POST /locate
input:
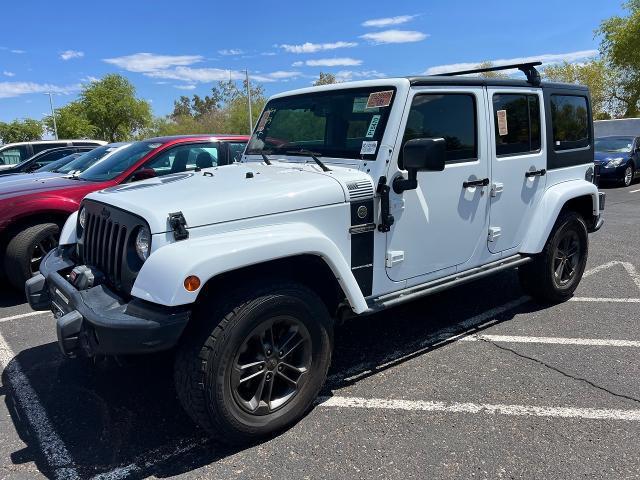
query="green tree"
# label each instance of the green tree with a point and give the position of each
(21, 131)
(325, 79)
(497, 74)
(596, 75)
(620, 47)
(72, 122)
(111, 106)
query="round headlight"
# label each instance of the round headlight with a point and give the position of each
(82, 217)
(143, 243)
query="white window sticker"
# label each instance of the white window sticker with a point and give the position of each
(368, 148)
(371, 131)
(263, 120)
(502, 122)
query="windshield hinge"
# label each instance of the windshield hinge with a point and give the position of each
(179, 226)
(386, 219)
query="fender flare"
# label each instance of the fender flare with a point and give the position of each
(68, 235)
(547, 211)
(161, 277)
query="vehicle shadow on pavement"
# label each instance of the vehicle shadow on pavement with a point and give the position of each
(128, 418)
(10, 297)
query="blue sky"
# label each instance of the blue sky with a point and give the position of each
(168, 49)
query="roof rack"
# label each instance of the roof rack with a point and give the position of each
(529, 69)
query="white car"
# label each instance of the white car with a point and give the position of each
(12, 154)
(350, 198)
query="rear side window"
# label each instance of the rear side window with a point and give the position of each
(13, 156)
(451, 116)
(570, 119)
(517, 123)
(235, 151)
(41, 147)
(185, 158)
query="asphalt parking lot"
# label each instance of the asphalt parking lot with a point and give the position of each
(476, 382)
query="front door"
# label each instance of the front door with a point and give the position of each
(518, 170)
(441, 223)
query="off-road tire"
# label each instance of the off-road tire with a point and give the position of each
(537, 277)
(17, 260)
(205, 358)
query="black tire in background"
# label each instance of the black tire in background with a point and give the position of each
(26, 249)
(554, 274)
(226, 334)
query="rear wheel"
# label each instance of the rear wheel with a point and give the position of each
(554, 274)
(253, 367)
(26, 250)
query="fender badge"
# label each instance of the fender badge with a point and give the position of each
(362, 212)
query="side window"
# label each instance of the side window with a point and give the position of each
(13, 156)
(517, 123)
(40, 147)
(570, 119)
(51, 156)
(184, 158)
(235, 151)
(451, 116)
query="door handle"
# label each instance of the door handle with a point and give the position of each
(475, 183)
(535, 173)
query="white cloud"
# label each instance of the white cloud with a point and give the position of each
(231, 51)
(69, 54)
(185, 87)
(89, 79)
(203, 75)
(15, 89)
(385, 22)
(149, 62)
(348, 75)
(545, 58)
(280, 75)
(317, 47)
(268, 54)
(395, 36)
(299, 63)
(333, 62)
(19, 52)
(8, 74)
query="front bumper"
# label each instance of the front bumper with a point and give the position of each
(599, 220)
(610, 174)
(98, 320)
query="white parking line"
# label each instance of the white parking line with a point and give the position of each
(634, 191)
(596, 342)
(604, 300)
(23, 315)
(53, 448)
(481, 408)
(631, 270)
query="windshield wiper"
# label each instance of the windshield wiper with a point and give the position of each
(265, 158)
(311, 154)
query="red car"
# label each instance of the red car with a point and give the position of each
(33, 213)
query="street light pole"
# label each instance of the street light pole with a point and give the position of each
(249, 100)
(53, 114)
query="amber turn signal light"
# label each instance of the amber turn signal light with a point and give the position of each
(191, 283)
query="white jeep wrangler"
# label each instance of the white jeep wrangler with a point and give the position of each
(349, 199)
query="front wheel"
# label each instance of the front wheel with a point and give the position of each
(628, 175)
(554, 274)
(253, 367)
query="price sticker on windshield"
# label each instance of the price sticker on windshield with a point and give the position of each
(380, 99)
(263, 120)
(368, 148)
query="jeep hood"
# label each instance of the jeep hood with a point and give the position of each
(231, 192)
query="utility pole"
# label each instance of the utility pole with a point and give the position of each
(246, 72)
(53, 114)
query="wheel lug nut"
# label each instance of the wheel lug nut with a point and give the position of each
(269, 376)
(281, 354)
(279, 368)
(268, 352)
(260, 367)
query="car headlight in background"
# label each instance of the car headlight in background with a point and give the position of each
(614, 162)
(143, 243)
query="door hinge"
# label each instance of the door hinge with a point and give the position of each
(494, 233)
(496, 188)
(394, 257)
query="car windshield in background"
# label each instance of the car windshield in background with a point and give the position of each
(118, 162)
(57, 164)
(345, 123)
(614, 144)
(85, 160)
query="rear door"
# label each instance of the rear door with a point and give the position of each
(518, 163)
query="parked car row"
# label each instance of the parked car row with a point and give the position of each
(35, 205)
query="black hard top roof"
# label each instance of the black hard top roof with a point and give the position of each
(486, 82)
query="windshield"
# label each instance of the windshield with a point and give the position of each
(120, 161)
(84, 161)
(614, 144)
(55, 165)
(345, 123)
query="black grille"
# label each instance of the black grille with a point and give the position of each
(106, 243)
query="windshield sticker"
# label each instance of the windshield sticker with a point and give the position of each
(263, 120)
(368, 148)
(359, 104)
(380, 99)
(502, 122)
(371, 131)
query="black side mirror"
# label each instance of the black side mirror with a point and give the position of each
(143, 174)
(420, 155)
